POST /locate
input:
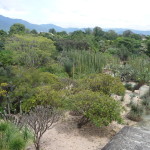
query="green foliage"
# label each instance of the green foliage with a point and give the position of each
(98, 32)
(33, 31)
(17, 144)
(80, 63)
(3, 36)
(54, 68)
(141, 67)
(137, 68)
(53, 31)
(11, 138)
(27, 81)
(103, 83)
(123, 53)
(110, 35)
(130, 44)
(129, 86)
(31, 51)
(146, 103)
(97, 107)
(17, 28)
(136, 112)
(5, 57)
(44, 95)
(148, 48)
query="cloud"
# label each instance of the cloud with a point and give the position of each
(81, 13)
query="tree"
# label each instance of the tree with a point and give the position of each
(131, 44)
(148, 48)
(110, 35)
(98, 32)
(3, 36)
(96, 107)
(123, 53)
(33, 87)
(29, 50)
(53, 31)
(3, 33)
(33, 31)
(88, 31)
(17, 28)
(127, 33)
(44, 95)
(40, 119)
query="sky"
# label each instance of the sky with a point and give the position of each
(132, 14)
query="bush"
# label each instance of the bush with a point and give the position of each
(136, 112)
(17, 143)
(128, 86)
(146, 103)
(96, 107)
(103, 83)
(11, 137)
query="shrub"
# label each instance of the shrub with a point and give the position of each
(136, 112)
(96, 107)
(128, 86)
(17, 143)
(146, 103)
(103, 83)
(12, 138)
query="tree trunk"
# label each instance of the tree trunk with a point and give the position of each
(37, 146)
(8, 105)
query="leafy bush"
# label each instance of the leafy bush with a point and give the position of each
(95, 107)
(103, 83)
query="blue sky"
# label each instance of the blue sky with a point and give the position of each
(133, 14)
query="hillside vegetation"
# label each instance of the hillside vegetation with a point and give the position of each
(43, 75)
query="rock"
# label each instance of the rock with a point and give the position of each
(143, 90)
(130, 138)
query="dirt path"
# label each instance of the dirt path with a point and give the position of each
(66, 136)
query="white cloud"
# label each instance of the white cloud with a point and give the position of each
(81, 13)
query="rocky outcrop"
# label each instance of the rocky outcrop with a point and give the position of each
(130, 138)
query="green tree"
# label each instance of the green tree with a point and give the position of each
(148, 48)
(98, 32)
(26, 82)
(29, 50)
(127, 33)
(110, 35)
(33, 31)
(88, 31)
(44, 96)
(53, 31)
(3, 36)
(17, 28)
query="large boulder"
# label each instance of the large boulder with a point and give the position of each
(130, 138)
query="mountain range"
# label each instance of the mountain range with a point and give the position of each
(6, 23)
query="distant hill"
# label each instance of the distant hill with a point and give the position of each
(6, 22)
(121, 30)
